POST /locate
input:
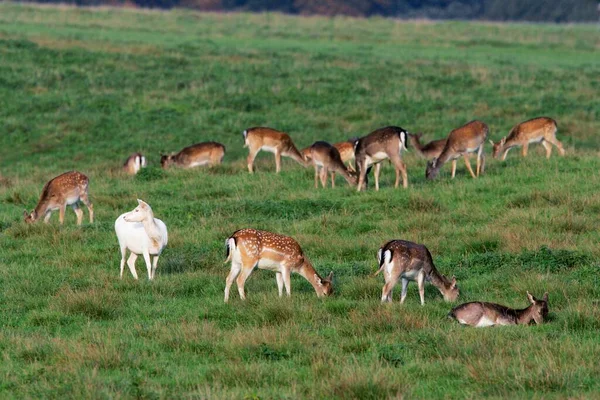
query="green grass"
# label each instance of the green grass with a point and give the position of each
(83, 88)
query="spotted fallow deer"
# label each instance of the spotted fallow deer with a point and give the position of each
(273, 141)
(134, 163)
(401, 259)
(251, 248)
(326, 158)
(384, 143)
(538, 130)
(200, 154)
(469, 138)
(64, 190)
(482, 314)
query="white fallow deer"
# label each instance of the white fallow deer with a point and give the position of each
(469, 138)
(400, 259)
(538, 130)
(481, 314)
(384, 143)
(250, 248)
(326, 159)
(273, 141)
(62, 191)
(134, 163)
(197, 155)
(142, 234)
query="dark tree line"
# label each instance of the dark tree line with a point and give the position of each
(495, 10)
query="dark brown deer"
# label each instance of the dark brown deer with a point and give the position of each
(326, 158)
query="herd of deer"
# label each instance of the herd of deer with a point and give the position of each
(142, 234)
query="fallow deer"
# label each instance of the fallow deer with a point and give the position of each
(251, 248)
(537, 130)
(326, 158)
(134, 163)
(346, 150)
(482, 314)
(381, 144)
(142, 234)
(62, 191)
(469, 138)
(200, 154)
(273, 141)
(400, 259)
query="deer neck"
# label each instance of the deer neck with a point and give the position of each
(307, 271)
(439, 281)
(524, 316)
(152, 229)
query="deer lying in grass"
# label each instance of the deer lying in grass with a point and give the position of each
(251, 248)
(134, 163)
(538, 130)
(200, 154)
(273, 141)
(326, 158)
(411, 262)
(469, 138)
(142, 234)
(481, 314)
(62, 191)
(384, 143)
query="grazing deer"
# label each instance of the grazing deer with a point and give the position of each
(384, 143)
(469, 138)
(346, 150)
(411, 261)
(538, 130)
(134, 163)
(481, 314)
(250, 248)
(140, 233)
(273, 141)
(206, 153)
(326, 158)
(64, 190)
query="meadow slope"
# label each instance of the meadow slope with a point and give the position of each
(83, 88)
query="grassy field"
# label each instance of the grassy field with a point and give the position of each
(83, 88)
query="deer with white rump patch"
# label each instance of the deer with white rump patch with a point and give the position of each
(469, 138)
(273, 141)
(537, 130)
(326, 158)
(62, 191)
(142, 234)
(482, 314)
(401, 259)
(250, 248)
(377, 146)
(134, 163)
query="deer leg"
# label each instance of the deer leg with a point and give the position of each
(154, 264)
(148, 264)
(386, 293)
(351, 167)
(61, 213)
(285, 274)
(47, 217)
(86, 200)
(324, 176)
(79, 212)
(454, 168)
(279, 278)
(479, 160)
(277, 161)
(404, 290)
(131, 264)
(421, 283)
(361, 176)
(468, 164)
(332, 179)
(241, 281)
(524, 149)
(316, 176)
(377, 171)
(233, 274)
(250, 160)
(548, 148)
(123, 251)
(558, 145)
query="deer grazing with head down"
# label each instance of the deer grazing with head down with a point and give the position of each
(62, 191)
(134, 163)
(200, 154)
(401, 259)
(250, 248)
(381, 144)
(142, 234)
(273, 141)
(469, 138)
(537, 130)
(482, 314)
(346, 150)
(326, 158)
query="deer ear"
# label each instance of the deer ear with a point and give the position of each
(318, 280)
(531, 298)
(502, 141)
(142, 203)
(330, 276)
(453, 285)
(545, 298)
(25, 213)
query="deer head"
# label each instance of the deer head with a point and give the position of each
(451, 293)
(166, 160)
(324, 285)
(432, 169)
(539, 307)
(497, 147)
(30, 217)
(139, 213)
